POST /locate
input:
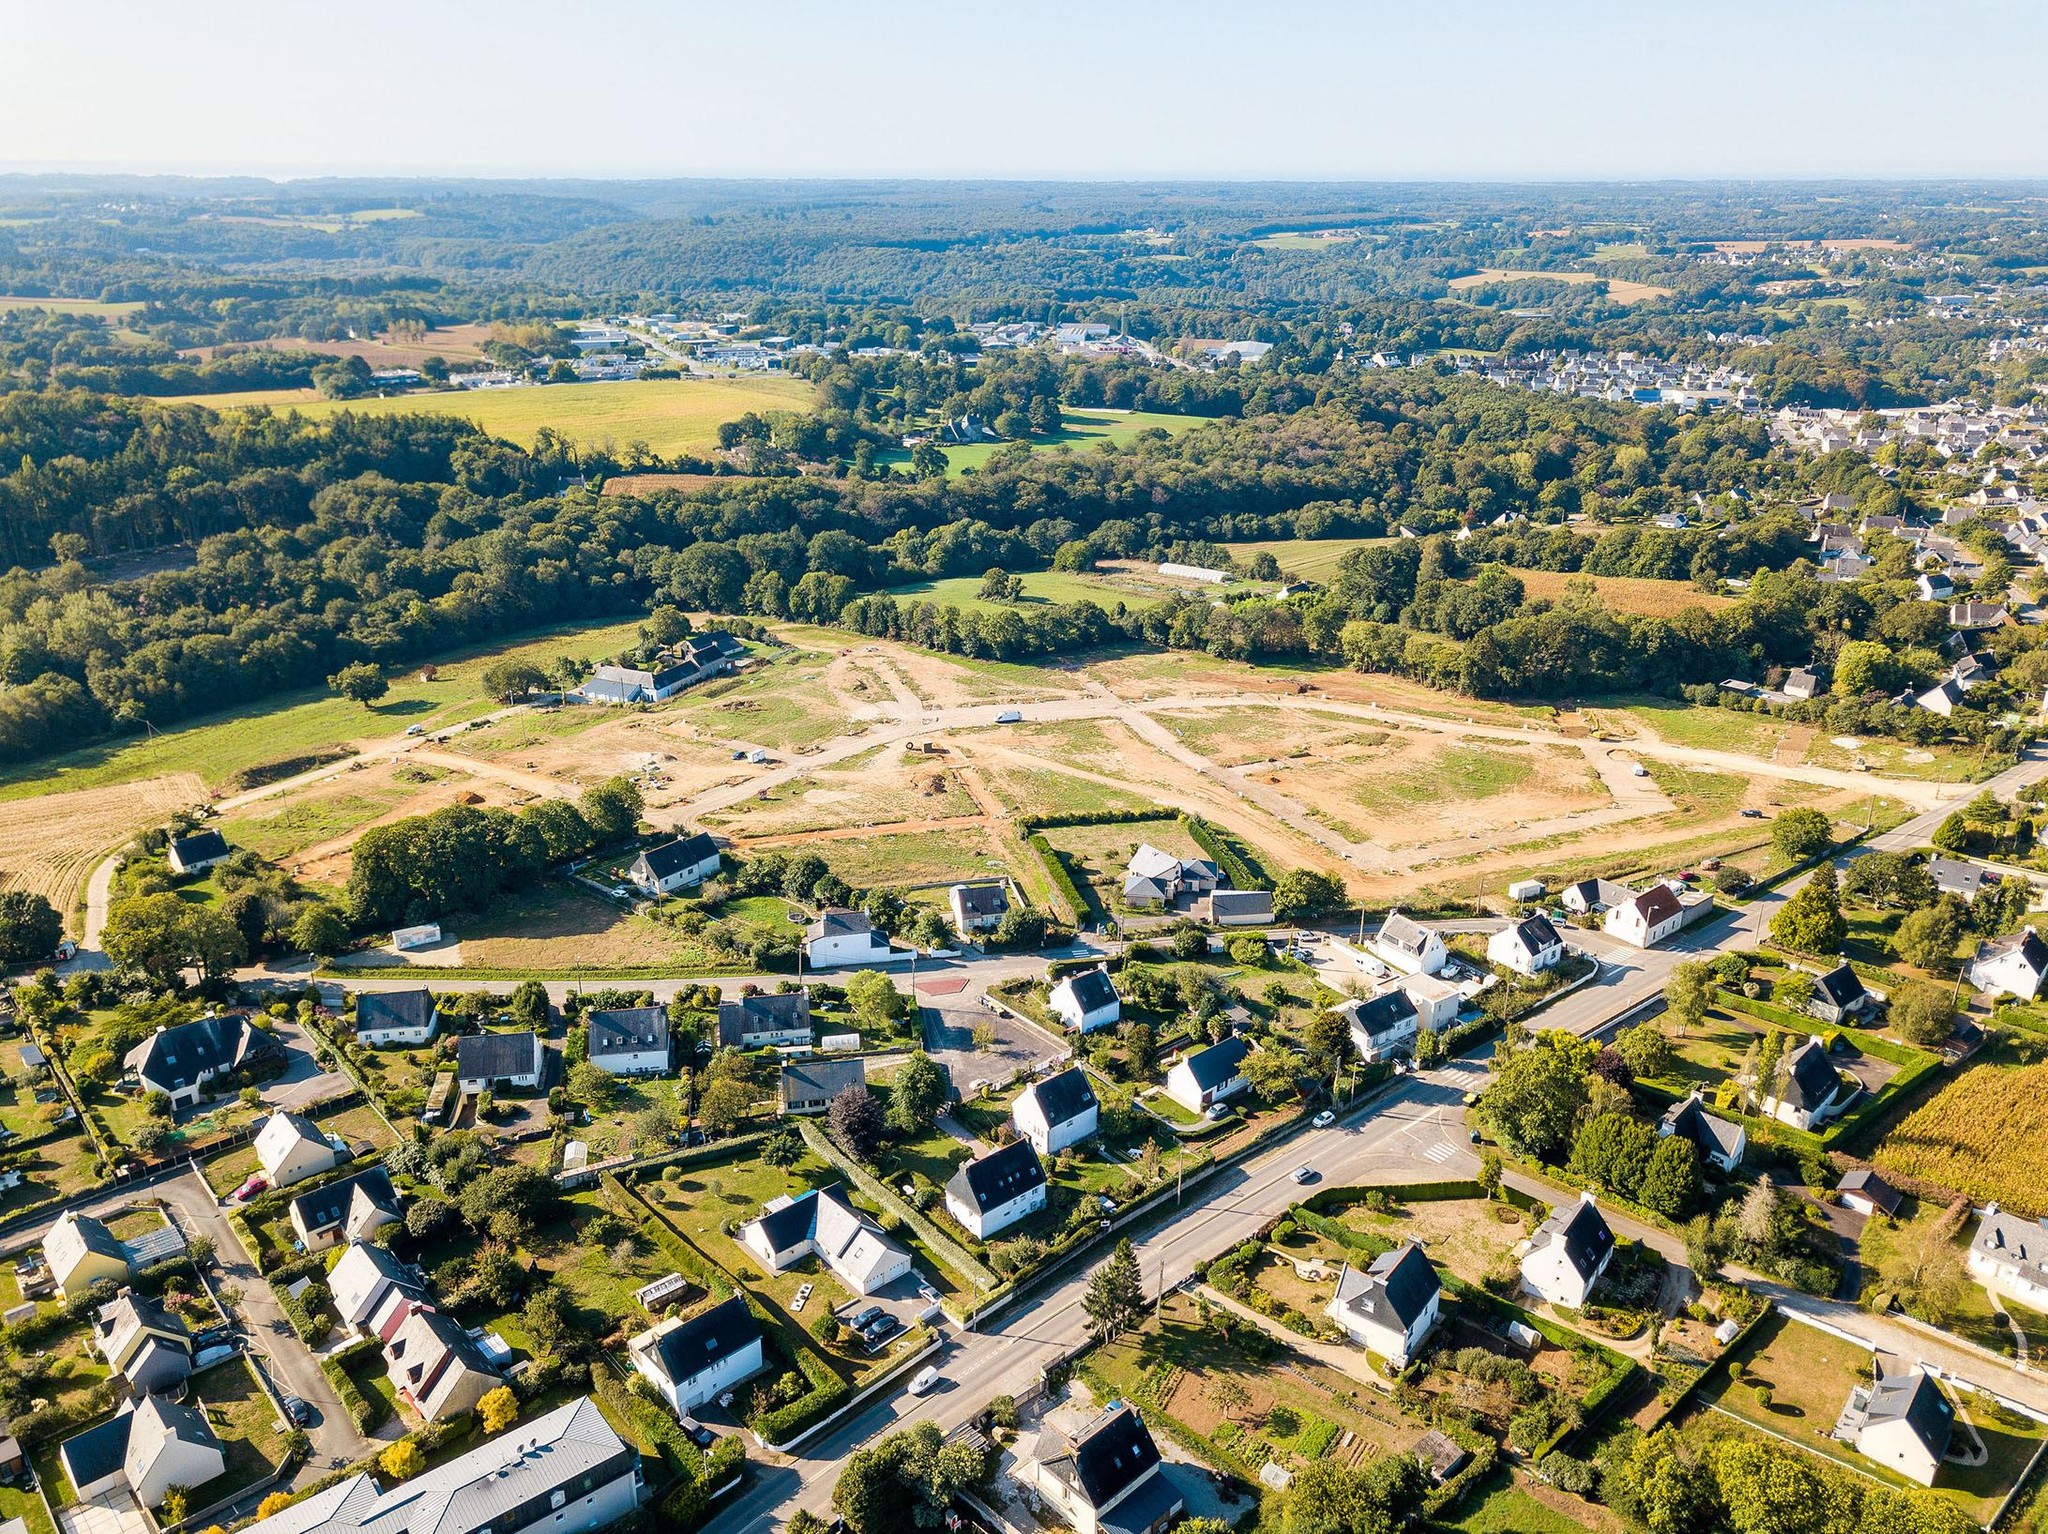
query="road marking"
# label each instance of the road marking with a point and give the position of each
(1440, 1153)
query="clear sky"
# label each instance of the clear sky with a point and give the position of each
(1112, 89)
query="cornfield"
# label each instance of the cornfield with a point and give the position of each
(1985, 1135)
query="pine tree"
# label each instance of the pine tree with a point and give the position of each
(1116, 1293)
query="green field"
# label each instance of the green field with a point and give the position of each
(70, 306)
(1080, 430)
(1313, 559)
(220, 745)
(672, 416)
(1042, 588)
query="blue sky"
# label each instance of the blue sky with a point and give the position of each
(1109, 90)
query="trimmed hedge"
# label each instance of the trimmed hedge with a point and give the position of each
(1080, 899)
(1035, 823)
(940, 1243)
(364, 1413)
(1239, 863)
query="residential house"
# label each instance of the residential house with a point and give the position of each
(1933, 586)
(81, 1252)
(1382, 1026)
(629, 1041)
(1106, 1479)
(1901, 1420)
(1057, 1112)
(147, 1345)
(1086, 1000)
(1591, 895)
(1389, 1307)
(1942, 698)
(808, 1086)
(347, 1209)
(674, 865)
(1437, 1000)
(1408, 946)
(1201, 1078)
(488, 1061)
(1813, 1090)
(368, 1283)
(839, 938)
(762, 1022)
(697, 659)
(290, 1148)
(1241, 908)
(1156, 878)
(1528, 947)
(2013, 965)
(1719, 1142)
(1645, 919)
(1954, 876)
(1839, 996)
(694, 1361)
(385, 1018)
(2010, 1254)
(200, 850)
(996, 1191)
(152, 1445)
(1568, 1253)
(437, 1368)
(1803, 682)
(564, 1472)
(178, 1062)
(1867, 1193)
(822, 1224)
(1972, 617)
(978, 907)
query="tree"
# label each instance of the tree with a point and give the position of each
(1794, 991)
(511, 680)
(1115, 1297)
(360, 682)
(611, 809)
(1249, 950)
(1811, 921)
(593, 1086)
(403, 1460)
(1927, 938)
(918, 1095)
(1921, 1014)
(1801, 833)
(1535, 1098)
(1864, 665)
(907, 1480)
(1303, 892)
(320, 930)
(1756, 1222)
(874, 999)
(273, 1504)
(499, 1409)
(1227, 1395)
(1920, 1263)
(162, 936)
(1647, 1053)
(1671, 1185)
(1613, 1150)
(724, 1104)
(1689, 993)
(783, 1149)
(522, 1192)
(1326, 1497)
(1326, 1039)
(1768, 1491)
(30, 927)
(529, 1006)
(1952, 835)
(855, 1121)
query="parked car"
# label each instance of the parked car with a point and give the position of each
(698, 1433)
(255, 1185)
(300, 1413)
(867, 1318)
(1218, 1110)
(1324, 1119)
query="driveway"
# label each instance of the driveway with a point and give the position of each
(110, 1512)
(303, 1081)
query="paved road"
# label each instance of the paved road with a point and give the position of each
(1413, 1132)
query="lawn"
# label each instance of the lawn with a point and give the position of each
(1981, 1135)
(556, 928)
(245, 1420)
(674, 417)
(1042, 588)
(1711, 729)
(275, 831)
(1080, 430)
(107, 308)
(1500, 1505)
(1099, 854)
(915, 857)
(1972, 1317)
(217, 747)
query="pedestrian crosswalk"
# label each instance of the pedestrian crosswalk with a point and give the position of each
(1440, 1152)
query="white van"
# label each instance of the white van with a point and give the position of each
(924, 1380)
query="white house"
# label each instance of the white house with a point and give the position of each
(675, 865)
(1812, 1091)
(200, 850)
(1590, 895)
(180, 1061)
(1389, 1307)
(1568, 1253)
(697, 1360)
(1154, 878)
(1057, 1112)
(1106, 1478)
(485, 1061)
(387, 1018)
(978, 907)
(821, 1223)
(1901, 1420)
(1867, 1193)
(2013, 965)
(2010, 1254)
(1086, 1000)
(151, 1446)
(1408, 946)
(1203, 1077)
(808, 1086)
(291, 1148)
(1382, 1026)
(1241, 908)
(568, 1466)
(838, 938)
(998, 1190)
(347, 1209)
(1528, 947)
(762, 1022)
(1437, 1000)
(1645, 919)
(629, 1041)
(368, 1281)
(1719, 1142)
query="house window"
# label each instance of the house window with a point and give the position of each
(558, 1499)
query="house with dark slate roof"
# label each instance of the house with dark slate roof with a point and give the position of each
(2009, 1253)
(1059, 1111)
(1901, 1420)
(1382, 1026)
(180, 1061)
(1528, 947)
(629, 1041)
(674, 865)
(1106, 1479)
(1812, 1091)
(1719, 1142)
(998, 1190)
(1389, 1307)
(978, 907)
(385, 1018)
(808, 1086)
(1204, 1077)
(145, 1450)
(823, 1224)
(1086, 1000)
(1568, 1253)
(1839, 996)
(2013, 965)
(1409, 947)
(689, 1362)
(758, 1022)
(348, 1209)
(485, 1061)
(200, 850)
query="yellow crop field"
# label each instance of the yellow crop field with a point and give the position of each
(671, 415)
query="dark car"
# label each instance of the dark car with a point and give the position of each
(698, 1433)
(867, 1318)
(298, 1411)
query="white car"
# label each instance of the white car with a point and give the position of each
(1303, 1174)
(1324, 1119)
(926, 1379)
(1218, 1110)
